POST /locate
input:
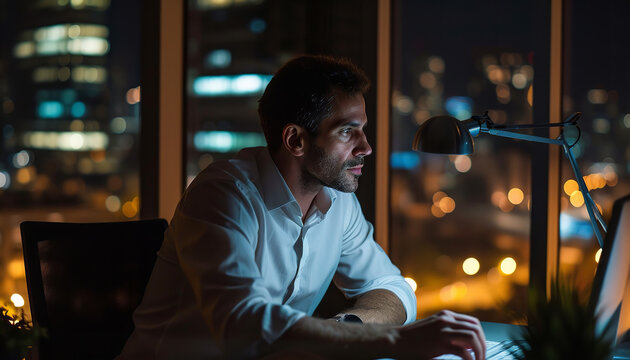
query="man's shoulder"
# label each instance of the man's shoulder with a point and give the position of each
(240, 172)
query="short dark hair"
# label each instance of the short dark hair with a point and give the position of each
(302, 93)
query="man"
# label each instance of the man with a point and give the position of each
(256, 240)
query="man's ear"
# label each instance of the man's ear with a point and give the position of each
(294, 139)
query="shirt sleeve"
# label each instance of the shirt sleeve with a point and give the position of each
(215, 233)
(364, 266)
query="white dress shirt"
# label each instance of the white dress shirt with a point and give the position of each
(238, 267)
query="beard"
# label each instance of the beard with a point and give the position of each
(322, 168)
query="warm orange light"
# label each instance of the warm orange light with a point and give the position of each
(23, 176)
(598, 181)
(463, 163)
(16, 269)
(447, 204)
(611, 180)
(133, 95)
(97, 155)
(570, 186)
(436, 211)
(587, 182)
(577, 199)
(497, 197)
(505, 205)
(438, 196)
(129, 209)
(516, 196)
(436, 64)
(460, 289)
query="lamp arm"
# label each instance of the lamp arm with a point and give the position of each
(519, 136)
(591, 208)
(593, 213)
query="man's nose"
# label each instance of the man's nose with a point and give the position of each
(363, 148)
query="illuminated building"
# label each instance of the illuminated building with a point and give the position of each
(68, 84)
(69, 117)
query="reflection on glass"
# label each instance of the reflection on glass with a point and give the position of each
(596, 83)
(68, 130)
(460, 224)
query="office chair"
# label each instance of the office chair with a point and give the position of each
(85, 280)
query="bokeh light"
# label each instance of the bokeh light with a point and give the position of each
(516, 196)
(447, 204)
(112, 203)
(570, 186)
(463, 163)
(508, 266)
(412, 283)
(16, 269)
(129, 209)
(17, 300)
(577, 199)
(471, 266)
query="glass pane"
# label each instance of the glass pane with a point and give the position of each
(597, 84)
(69, 96)
(228, 68)
(460, 223)
(233, 49)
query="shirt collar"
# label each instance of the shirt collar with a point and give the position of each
(276, 192)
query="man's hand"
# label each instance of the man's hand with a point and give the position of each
(446, 332)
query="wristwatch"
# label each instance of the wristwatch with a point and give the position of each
(347, 318)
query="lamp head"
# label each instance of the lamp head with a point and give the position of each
(444, 135)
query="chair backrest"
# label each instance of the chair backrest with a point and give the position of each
(85, 280)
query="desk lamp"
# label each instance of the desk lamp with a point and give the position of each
(446, 135)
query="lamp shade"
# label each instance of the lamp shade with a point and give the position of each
(443, 135)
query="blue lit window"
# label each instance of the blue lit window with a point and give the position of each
(459, 107)
(50, 109)
(257, 26)
(78, 109)
(226, 141)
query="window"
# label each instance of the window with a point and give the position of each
(596, 83)
(233, 49)
(69, 128)
(460, 224)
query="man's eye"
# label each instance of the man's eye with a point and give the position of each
(346, 131)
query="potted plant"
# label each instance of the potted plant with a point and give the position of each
(17, 335)
(562, 327)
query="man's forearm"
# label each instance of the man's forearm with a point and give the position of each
(379, 307)
(330, 339)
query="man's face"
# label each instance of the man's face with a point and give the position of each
(335, 157)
